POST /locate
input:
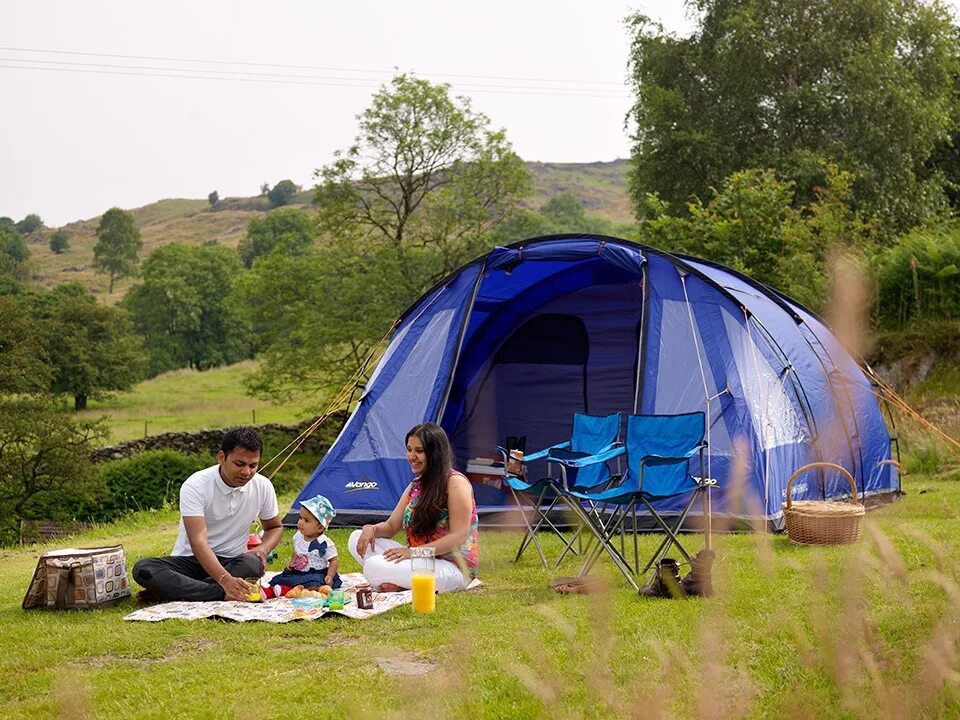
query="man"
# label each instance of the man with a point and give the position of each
(210, 559)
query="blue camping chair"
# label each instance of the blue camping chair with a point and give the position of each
(591, 434)
(658, 450)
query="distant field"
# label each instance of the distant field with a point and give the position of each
(189, 400)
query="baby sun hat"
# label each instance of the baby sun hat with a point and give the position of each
(320, 508)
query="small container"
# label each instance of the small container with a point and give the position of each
(336, 600)
(515, 464)
(423, 579)
(365, 596)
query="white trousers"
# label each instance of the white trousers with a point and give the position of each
(378, 570)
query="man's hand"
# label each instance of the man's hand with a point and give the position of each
(235, 588)
(262, 554)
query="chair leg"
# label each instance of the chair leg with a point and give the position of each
(598, 514)
(545, 518)
(604, 537)
(671, 533)
(576, 538)
(530, 536)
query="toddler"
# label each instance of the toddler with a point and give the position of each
(314, 562)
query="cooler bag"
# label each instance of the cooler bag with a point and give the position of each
(78, 579)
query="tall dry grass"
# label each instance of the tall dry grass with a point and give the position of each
(830, 634)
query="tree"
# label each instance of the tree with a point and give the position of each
(13, 253)
(213, 198)
(425, 177)
(30, 224)
(45, 468)
(564, 214)
(184, 311)
(565, 210)
(60, 241)
(793, 84)
(264, 189)
(282, 193)
(751, 224)
(290, 230)
(23, 357)
(118, 245)
(417, 194)
(92, 347)
(315, 316)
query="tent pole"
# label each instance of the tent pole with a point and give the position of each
(442, 407)
(644, 320)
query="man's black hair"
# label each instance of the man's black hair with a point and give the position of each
(246, 438)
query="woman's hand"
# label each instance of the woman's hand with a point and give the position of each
(367, 535)
(397, 554)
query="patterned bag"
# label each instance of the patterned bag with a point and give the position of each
(78, 579)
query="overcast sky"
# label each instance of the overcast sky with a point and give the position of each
(124, 103)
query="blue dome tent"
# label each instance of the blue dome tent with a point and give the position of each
(516, 341)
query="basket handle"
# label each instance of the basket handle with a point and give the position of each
(833, 466)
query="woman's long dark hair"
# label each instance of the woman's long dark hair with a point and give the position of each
(433, 481)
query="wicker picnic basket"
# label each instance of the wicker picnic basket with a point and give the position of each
(819, 522)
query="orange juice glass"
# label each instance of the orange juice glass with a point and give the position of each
(423, 579)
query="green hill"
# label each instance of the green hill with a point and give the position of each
(600, 187)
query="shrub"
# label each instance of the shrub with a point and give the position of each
(30, 224)
(148, 481)
(60, 241)
(918, 278)
(282, 193)
(45, 473)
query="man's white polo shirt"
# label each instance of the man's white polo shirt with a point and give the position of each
(228, 511)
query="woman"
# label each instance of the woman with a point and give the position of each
(436, 510)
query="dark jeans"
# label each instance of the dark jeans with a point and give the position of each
(309, 580)
(183, 577)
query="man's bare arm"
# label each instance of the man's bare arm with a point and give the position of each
(234, 588)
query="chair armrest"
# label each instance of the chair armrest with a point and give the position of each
(600, 457)
(693, 451)
(540, 454)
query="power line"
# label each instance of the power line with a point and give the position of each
(174, 73)
(304, 67)
(229, 74)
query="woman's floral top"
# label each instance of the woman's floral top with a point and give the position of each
(467, 557)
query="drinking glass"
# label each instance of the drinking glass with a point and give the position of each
(423, 579)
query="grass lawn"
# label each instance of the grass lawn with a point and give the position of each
(189, 400)
(854, 632)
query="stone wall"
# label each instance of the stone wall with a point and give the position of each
(207, 442)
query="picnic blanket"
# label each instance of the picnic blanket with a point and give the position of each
(277, 610)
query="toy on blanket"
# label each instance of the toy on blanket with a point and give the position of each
(298, 591)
